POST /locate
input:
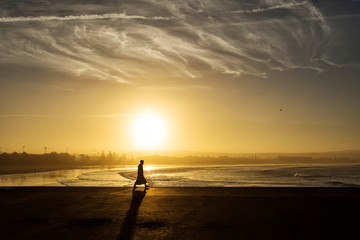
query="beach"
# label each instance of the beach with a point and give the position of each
(267, 175)
(179, 213)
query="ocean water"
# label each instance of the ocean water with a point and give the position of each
(195, 176)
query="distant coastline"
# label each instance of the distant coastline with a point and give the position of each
(26, 162)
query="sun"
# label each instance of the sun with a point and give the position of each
(149, 132)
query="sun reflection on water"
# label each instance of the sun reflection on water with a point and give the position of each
(150, 168)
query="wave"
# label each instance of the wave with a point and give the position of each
(128, 175)
(302, 175)
(62, 183)
(97, 178)
(343, 184)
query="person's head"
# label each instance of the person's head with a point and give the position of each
(141, 161)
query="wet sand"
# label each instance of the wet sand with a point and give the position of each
(179, 213)
(16, 169)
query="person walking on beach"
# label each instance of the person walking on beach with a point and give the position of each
(140, 176)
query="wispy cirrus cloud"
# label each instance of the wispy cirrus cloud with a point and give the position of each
(151, 40)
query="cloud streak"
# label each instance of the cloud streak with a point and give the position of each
(80, 17)
(113, 115)
(280, 6)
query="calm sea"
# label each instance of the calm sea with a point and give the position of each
(195, 176)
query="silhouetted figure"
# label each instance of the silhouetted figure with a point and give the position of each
(140, 176)
(127, 230)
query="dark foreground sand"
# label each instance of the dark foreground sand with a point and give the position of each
(180, 213)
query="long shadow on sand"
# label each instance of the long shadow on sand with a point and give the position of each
(127, 230)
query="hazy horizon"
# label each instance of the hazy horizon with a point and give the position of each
(207, 76)
(182, 153)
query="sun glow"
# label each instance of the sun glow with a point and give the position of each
(149, 168)
(149, 132)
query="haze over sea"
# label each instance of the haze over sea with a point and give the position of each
(270, 175)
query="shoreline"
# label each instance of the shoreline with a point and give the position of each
(21, 169)
(180, 213)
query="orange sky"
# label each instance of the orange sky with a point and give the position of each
(216, 73)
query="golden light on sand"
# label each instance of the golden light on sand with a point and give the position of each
(149, 132)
